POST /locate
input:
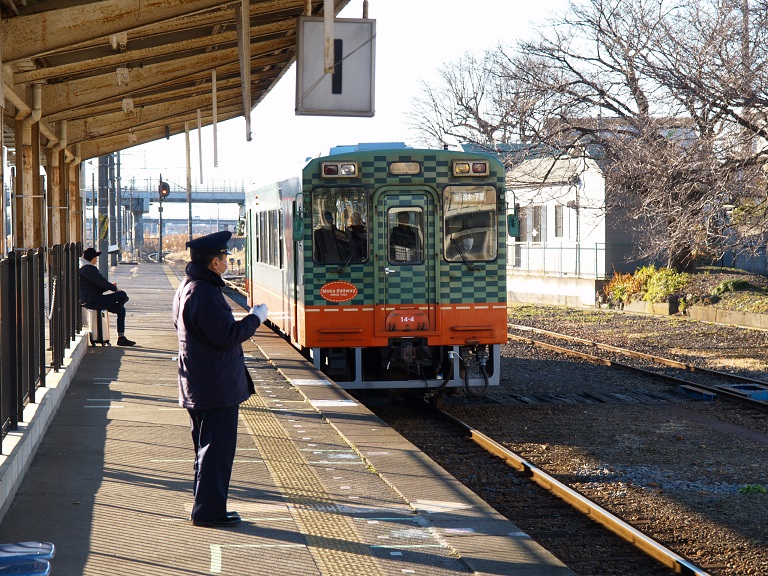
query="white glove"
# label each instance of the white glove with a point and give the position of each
(260, 312)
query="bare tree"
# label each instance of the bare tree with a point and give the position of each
(668, 95)
(469, 105)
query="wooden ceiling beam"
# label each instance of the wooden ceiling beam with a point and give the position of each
(134, 57)
(119, 121)
(97, 89)
(178, 89)
(37, 34)
(100, 146)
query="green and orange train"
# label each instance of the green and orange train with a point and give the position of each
(386, 267)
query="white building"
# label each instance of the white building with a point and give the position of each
(571, 241)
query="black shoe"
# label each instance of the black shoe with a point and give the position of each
(230, 514)
(226, 522)
(123, 341)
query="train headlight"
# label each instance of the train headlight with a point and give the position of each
(348, 170)
(471, 168)
(339, 170)
(460, 168)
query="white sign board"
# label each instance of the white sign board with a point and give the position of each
(349, 91)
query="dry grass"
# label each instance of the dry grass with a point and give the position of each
(751, 297)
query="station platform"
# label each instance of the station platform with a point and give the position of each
(323, 486)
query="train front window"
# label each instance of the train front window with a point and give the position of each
(405, 228)
(471, 223)
(339, 217)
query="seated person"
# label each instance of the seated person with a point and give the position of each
(92, 293)
(358, 237)
(329, 243)
(404, 242)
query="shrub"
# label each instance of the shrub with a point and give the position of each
(655, 285)
(662, 283)
(731, 286)
(621, 288)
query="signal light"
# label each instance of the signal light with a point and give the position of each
(164, 189)
(330, 169)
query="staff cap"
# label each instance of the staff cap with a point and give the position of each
(210, 244)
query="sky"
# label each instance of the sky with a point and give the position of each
(413, 40)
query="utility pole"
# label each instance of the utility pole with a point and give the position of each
(118, 208)
(103, 216)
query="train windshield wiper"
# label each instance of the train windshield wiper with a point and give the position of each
(343, 267)
(461, 253)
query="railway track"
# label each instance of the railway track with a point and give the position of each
(630, 442)
(589, 508)
(692, 379)
(587, 538)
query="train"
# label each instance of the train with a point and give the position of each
(386, 266)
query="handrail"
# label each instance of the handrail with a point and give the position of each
(28, 328)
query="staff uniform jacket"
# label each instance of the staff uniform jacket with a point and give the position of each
(92, 283)
(212, 371)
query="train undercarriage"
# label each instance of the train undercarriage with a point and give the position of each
(409, 363)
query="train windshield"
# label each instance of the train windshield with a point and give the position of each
(339, 217)
(471, 223)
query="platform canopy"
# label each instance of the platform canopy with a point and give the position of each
(112, 74)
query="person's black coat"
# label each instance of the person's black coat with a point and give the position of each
(92, 283)
(212, 371)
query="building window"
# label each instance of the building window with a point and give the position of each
(538, 233)
(523, 214)
(558, 221)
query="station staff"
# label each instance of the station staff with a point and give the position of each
(213, 379)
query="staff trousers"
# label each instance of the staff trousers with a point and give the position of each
(214, 435)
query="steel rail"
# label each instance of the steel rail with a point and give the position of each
(636, 538)
(651, 357)
(234, 287)
(723, 392)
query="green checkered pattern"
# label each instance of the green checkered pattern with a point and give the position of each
(455, 282)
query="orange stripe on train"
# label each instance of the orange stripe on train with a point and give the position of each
(368, 326)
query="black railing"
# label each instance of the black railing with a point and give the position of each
(65, 314)
(8, 358)
(23, 318)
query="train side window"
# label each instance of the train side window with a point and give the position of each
(339, 232)
(406, 235)
(471, 223)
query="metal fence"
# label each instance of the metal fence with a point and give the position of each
(756, 263)
(28, 329)
(598, 261)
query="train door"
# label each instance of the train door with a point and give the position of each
(405, 267)
(296, 262)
